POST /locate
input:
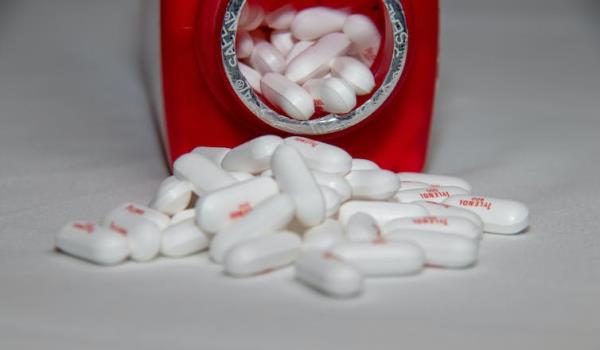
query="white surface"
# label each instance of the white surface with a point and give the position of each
(517, 116)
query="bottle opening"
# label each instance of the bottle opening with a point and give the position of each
(313, 67)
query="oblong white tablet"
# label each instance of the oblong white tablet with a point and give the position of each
(362, 227)
(382, 212)
(435, 180)
(315, 22)
(312, 61)
(298, 48)
(252, 76)
(251, 17)
(290, 97)
(447, 224)
(214, 154)
(293, 177)
(336, 182)
(364, 36)
(412, 185)
(328, 274)
(441, 249)
(270, 216)
(432, 193)
(93, 243)
(142, 234)
(204, 174)
(320, 156)
(332, 95)
(220, 208)
(363, 164)
(382, 259)
(332, 200)
(182, 216)
(281, 18)
(323, 236)
(172, 196)
(161, 220)
(241, 176)
(498, 215)
(283, 41)
(443, 209)
(243, 45)
(253, 156)
(263, 254)
(265, 58)
(355, 73)
(183, 238)
(373, 184)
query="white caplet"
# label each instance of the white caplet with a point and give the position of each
(266, 58)
(431, 193)
(172, 196)
(294, 177)
(501, 216)
(315, 22)
(447, 224)
(363, 164)
(161, 220)
(336, 182)
(243, 45)
(328, 274)
(251, 17)
(283, 41)
(320, 156)
(333, 95)
(287, 95)
(281, 18)
(373, 184)
(355, 73)
(382, 212)
(93, 243)
(252, 76)
(182, 216)
(313, 61)
(202, 173)
(362, 227)
(268, 217)
(332, 200)
(214, 154)
(183, 238)
(365, 37)
(253, 156)
(443, 209)
(381, 258)
(441, 249)
(263, 254)
(220, 208)
(412, 185)
(142, 234)
(298, 48)
(435, 180)
(323, 236)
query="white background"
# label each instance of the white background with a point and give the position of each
(517, 115)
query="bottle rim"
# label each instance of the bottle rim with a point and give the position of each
(330, 123)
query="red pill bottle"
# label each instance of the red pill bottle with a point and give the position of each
(208, 102)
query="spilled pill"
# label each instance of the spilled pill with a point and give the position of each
(183, 238)
(328, 274)
(262, 254)
(382, 259)
(323, 236)
(498, 215)
(220, 208)
(93, 243)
